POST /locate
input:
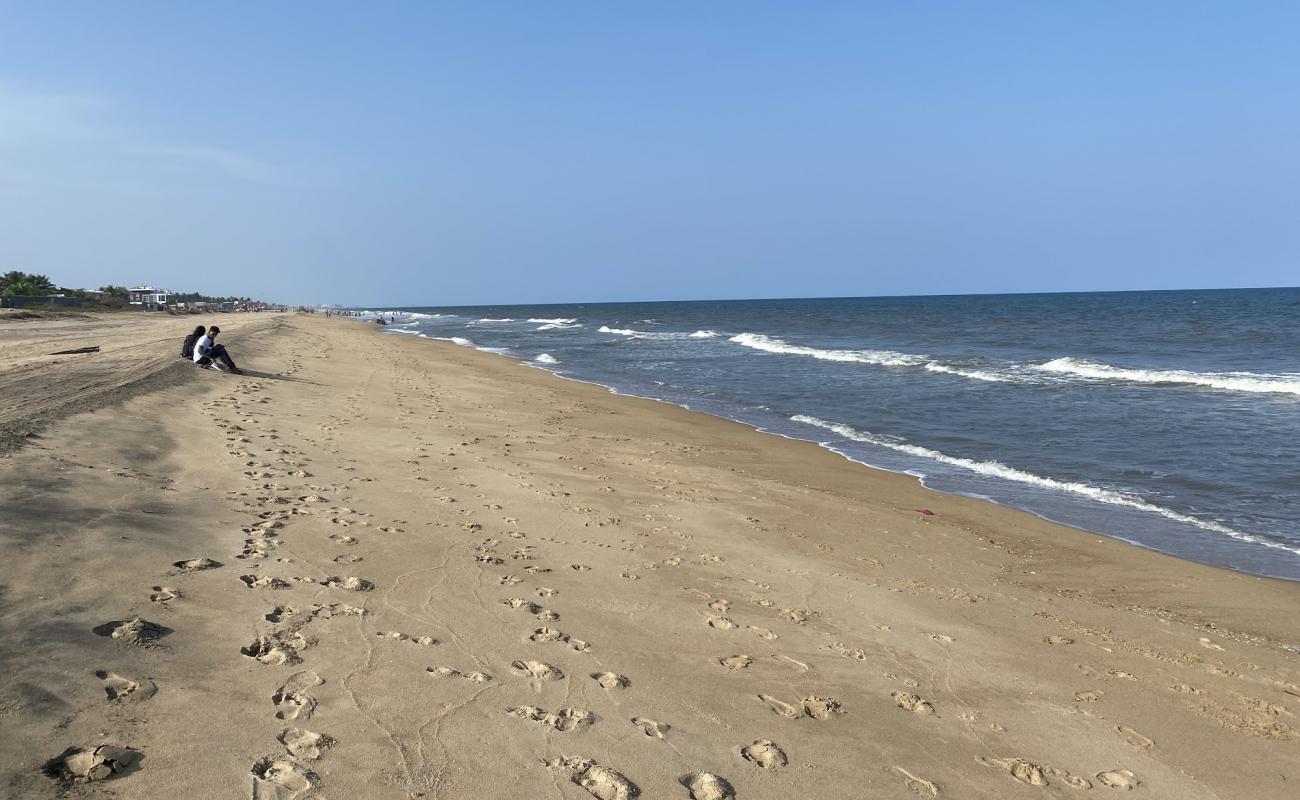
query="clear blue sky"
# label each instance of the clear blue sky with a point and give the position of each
(432, 153)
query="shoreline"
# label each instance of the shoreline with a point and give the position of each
(830, 446)
(437, 574)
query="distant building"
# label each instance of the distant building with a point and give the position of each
(148, 297)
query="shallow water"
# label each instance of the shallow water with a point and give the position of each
(1169, 419)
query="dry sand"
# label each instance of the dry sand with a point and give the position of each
(434, 572)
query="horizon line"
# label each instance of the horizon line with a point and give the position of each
(380, 306)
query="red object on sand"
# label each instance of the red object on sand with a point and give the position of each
(925, 511)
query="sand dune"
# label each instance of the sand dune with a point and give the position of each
(379, 567)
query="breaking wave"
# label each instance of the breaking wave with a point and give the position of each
(771, 344)
(973, 374)
(999, 470)
(1230, 381)
(546, 358)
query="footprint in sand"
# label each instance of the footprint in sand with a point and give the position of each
(918, 785)
(1119, 779)
(821, 707)
(1032, 774)
(264, 582)
(763, 633)
(913, 702)
(610, 680)
(601, 782)
(736, 662)
(347, 559)
(292, 701)
(1054, 639)
(721, 623)
(93, 763)
(720, 605)
(1090, 696)
(782, 708)
(538, 670)
(519, 602)
(352, 584)
(344, 540)
(163, 594)
(707, 786)
(548, 635)
(448, 672)
(270, 650)
(655, 730)
(552, 635)
(135, 631)
(303, 743)
(196, 564)
(278, 779)
(562, 719)
(427, 641)
(1134, 738)
(764, 753)
(798, 616)
(125, 690)
(1023, 771)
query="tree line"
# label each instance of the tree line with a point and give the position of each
(16, 283)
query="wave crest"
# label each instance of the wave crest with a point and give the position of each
(771, 344)
(997, 469)
(1231, 381)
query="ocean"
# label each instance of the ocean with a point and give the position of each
(1169, 419)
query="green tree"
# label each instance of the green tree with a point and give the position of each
(22, 283)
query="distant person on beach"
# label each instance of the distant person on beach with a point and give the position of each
(187, 349)
(206, 351)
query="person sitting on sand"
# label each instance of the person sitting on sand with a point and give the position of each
(206, 350)
(187, 349)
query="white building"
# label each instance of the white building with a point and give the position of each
(148, 296)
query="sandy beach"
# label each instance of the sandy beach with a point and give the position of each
(384, 567)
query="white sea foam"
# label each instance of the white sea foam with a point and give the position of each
(546, 358)
(460, 340)
(486, 321)
(554, 326)
(556, 321)
(974, 374)
(1230, 381)
(635, 334)
(999, 470)
(771, 344)
(705, 334)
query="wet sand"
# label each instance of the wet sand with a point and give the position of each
(384, 567)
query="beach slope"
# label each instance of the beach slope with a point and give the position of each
(385, 567)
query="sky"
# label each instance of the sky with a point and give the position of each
(425, 153)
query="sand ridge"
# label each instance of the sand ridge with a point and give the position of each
(392, 568)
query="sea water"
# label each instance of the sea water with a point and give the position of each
(1167, 419)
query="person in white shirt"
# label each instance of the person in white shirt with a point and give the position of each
(207, 351)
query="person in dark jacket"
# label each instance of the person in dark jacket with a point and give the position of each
(187, 349)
